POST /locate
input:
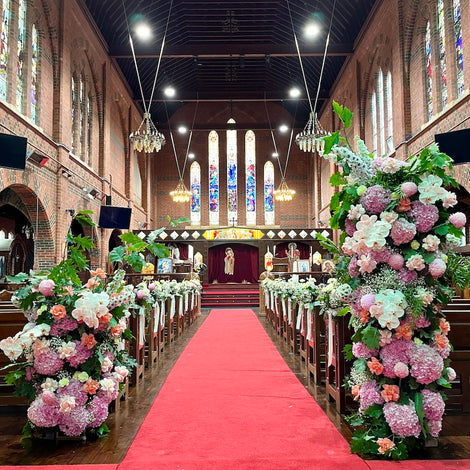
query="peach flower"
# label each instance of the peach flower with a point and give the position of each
(99, 273)
(375, 366)
(364, 316)
(404, 205)
(355, 391)
(88, 340)
(92, 283)
(441, 341)
(444, 326)
(385, 444)
(390, 392)
(91, 386)
(404, 331)
(58, 311)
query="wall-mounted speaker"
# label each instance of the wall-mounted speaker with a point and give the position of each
(115, 217)
(455, 144)
(13, 151)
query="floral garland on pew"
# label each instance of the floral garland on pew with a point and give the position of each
(394, 271)
(299, 292)
(69, 360)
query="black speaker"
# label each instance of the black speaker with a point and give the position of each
(115, 217)
(13, 151)
(455, 144)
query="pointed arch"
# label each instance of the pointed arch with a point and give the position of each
(213, 178)
(195, 179)
(4, 49)
(269, 193)
(250, 172)
(458, 47)
(232, 188)
(428, 71)
(34, 73)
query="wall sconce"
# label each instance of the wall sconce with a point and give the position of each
(66, 173)
(90, 192)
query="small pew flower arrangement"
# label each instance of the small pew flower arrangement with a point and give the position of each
(396, 267)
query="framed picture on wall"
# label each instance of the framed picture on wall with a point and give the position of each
(303, 265)
(164, 265)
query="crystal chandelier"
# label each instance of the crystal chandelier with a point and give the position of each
(147, 138)
(311, 138)
(181, 193)
(283, 193)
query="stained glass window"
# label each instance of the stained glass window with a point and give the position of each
(250, 171)
(381, 111)
(442, 51)
(34, 73)
(89, 128)
(269, 193)
(6, 15)
(213, 178)
(458, 47)
(74, 111)
(232, 190)
(388, 96)
(373, 112)
(428, 71)
(82, 116)
(20, 54)
(195, 178)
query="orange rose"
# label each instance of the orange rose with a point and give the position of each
(105, 318)
(404, 205)
(88, 340)
(99, 273)
(441, 341)
(58, 311)
(444, 326)
(91, 386)
(385, 444)
(355, 389)
(404, 331)
(375, 366)
(92, 283)
(364, 316)
(390, 392)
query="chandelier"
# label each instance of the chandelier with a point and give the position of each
(147, 138)
(311, 138)
(283, 193)
(181, 193)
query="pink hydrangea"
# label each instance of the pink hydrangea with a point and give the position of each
(406, 276)
(433, 405)
(402, 231)
(458, 219)
(395, 352)
(63, 326)
(437, 268)
(396, 261)
(367, 301)
(350, 227)
(401, 370)
(46, 287)
(369, 395)
(75, 422)
(74, 389)
(426, 364)
(42, 415)
(402, 419)
(48, 363)
(421, 322)
(409, 188)
(381, 256)
(109, 389)
(353, 269)
(435, 427)
(424, 216)
(82, 354)
(98, 411)
(376, 199)
(361, 350)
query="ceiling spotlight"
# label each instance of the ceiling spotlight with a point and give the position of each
(169, 92)
(143, 31)
(312, 30)
(191, 155)
(283, 128)
(294, 92)
(182, 129)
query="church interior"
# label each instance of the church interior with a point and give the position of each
(200, 123)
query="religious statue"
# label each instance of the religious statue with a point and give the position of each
(293, 254)
(268, 261)
(229, 261)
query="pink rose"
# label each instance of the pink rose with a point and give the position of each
(367, 301)
(46, 287)
(151, 286)
(396, 261)
(437, 268)
(451, 374)
(409, 188)
(458, 219)
(140, 294)
(401, 370)
(48, 398)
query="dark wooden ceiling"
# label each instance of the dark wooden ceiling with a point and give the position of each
(230, 50)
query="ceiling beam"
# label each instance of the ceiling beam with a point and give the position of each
(222, 51)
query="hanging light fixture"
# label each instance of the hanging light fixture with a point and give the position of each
(147, 138)
(311, 138)
(181, 192)
(283, 193)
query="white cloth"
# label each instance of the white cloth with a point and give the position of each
(156, 317)
(172, 306)
(141, 326)
(300, 316)
(289, 311)
(330, 338)
(309, 324)
(163, 312)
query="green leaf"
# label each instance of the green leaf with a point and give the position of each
(331, 141)
(337, 179)
(18, 279)
(360, 365)
(343, 113)
(335, 220)
(343, 312)
(374, 411)
(135, 261)
(102, 431)
(443, 382)
(429, 257)
(328, 244)
(371, 337)
(420, 410)
(348, 352)
(335, 201)
(442, 229)
(130, 238)
(117, 254)
(159, 250)
(179, 220)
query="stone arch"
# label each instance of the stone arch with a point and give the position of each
(29, 203)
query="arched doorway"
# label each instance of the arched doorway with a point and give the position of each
(245, 265)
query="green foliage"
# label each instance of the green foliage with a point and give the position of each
(102, 431)
(331, 141)
(371, 337)
(328, 244)
(337, 179)
(348, 352)
(458, 270)
(343, 113)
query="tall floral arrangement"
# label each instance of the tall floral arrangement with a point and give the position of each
(395, 268)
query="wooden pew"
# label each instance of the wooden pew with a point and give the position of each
(316, 347)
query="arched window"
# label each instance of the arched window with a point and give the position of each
(381, 111)
(373, 116)
(89, 128)
(442, 51)
(458, 48)
(389, 102)
(232, 189)
(6, 16)
(82, 104)
(34, 73)
(428, 71)
(20, 54)
(269, 193)
(195, 178)
(74, 112)
(213, 178)
(250, 171)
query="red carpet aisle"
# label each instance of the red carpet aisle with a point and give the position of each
(231, 402)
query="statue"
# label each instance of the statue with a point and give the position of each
(229, 261)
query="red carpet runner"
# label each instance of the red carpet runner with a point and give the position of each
(231, 402)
